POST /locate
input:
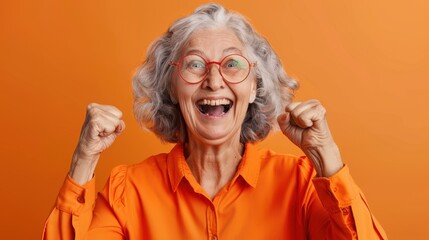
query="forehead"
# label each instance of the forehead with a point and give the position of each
(214, 42)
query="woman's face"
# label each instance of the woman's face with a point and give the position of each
(213, 109)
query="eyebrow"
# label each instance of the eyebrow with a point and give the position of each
(232, 49)
(226, 50)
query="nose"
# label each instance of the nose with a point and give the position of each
(214, 79)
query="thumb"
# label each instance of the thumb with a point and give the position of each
(284, 122)
(120, 128)
(116, 132)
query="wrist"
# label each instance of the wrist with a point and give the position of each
(326, 159)
(82, 167)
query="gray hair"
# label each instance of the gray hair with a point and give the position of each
(157, 110)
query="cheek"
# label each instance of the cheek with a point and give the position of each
(179, 90)
(247, 93)
(184, 94)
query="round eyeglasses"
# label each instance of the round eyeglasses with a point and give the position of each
(233, 68)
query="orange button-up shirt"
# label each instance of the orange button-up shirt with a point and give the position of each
(272, 196)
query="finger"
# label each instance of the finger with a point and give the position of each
(108, 125)
(101, 115)
(120, 128)
(285, 119)
(104, 108)
(282, 120)
(285, 122)
(298, 109)
(312, 115)
(291, 131)
(291, 106)
(100, 124)
(298, 116)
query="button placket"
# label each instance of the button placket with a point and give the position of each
(81, 199)
(212, 222)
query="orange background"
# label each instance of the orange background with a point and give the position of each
(366, 60)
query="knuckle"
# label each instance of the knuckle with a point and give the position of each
(292, 106)
(314, 102)
(95, 123)
(91, 105)
(116, 111)
(92, 111)
(321, 109)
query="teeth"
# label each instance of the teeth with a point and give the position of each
(215, 102)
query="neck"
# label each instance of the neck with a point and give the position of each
(213, 166)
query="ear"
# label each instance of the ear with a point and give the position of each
(252, 97)
(253, 93)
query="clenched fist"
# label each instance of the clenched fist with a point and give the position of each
(304, 123)
(103, 123)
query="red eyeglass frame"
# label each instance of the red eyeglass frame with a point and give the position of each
(177, 64)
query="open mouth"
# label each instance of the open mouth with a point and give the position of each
(216, 108)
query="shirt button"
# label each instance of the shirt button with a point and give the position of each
(345, 211)
(81, 199)
(214, 237)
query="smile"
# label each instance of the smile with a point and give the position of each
(214, 107)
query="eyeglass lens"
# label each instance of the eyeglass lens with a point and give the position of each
(234, 68)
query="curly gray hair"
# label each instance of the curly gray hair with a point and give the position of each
(157, 110)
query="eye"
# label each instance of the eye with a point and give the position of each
(232, 63)
(196, 65)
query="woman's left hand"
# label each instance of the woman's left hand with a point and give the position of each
(304, 123)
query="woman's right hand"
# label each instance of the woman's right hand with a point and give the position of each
(102, 125)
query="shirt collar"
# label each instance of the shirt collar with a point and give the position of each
(250, 165)
(178, 167)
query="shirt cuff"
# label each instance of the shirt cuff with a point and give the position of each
(74, 198)
(337, 191)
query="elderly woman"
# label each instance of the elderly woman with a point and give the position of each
(214, 86)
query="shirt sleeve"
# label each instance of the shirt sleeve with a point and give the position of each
(78, 215)
(72, 213)
(108, 221)
(348, 215)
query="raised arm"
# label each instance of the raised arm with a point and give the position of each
(304, 123)
(102, 125)
(72, 214)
